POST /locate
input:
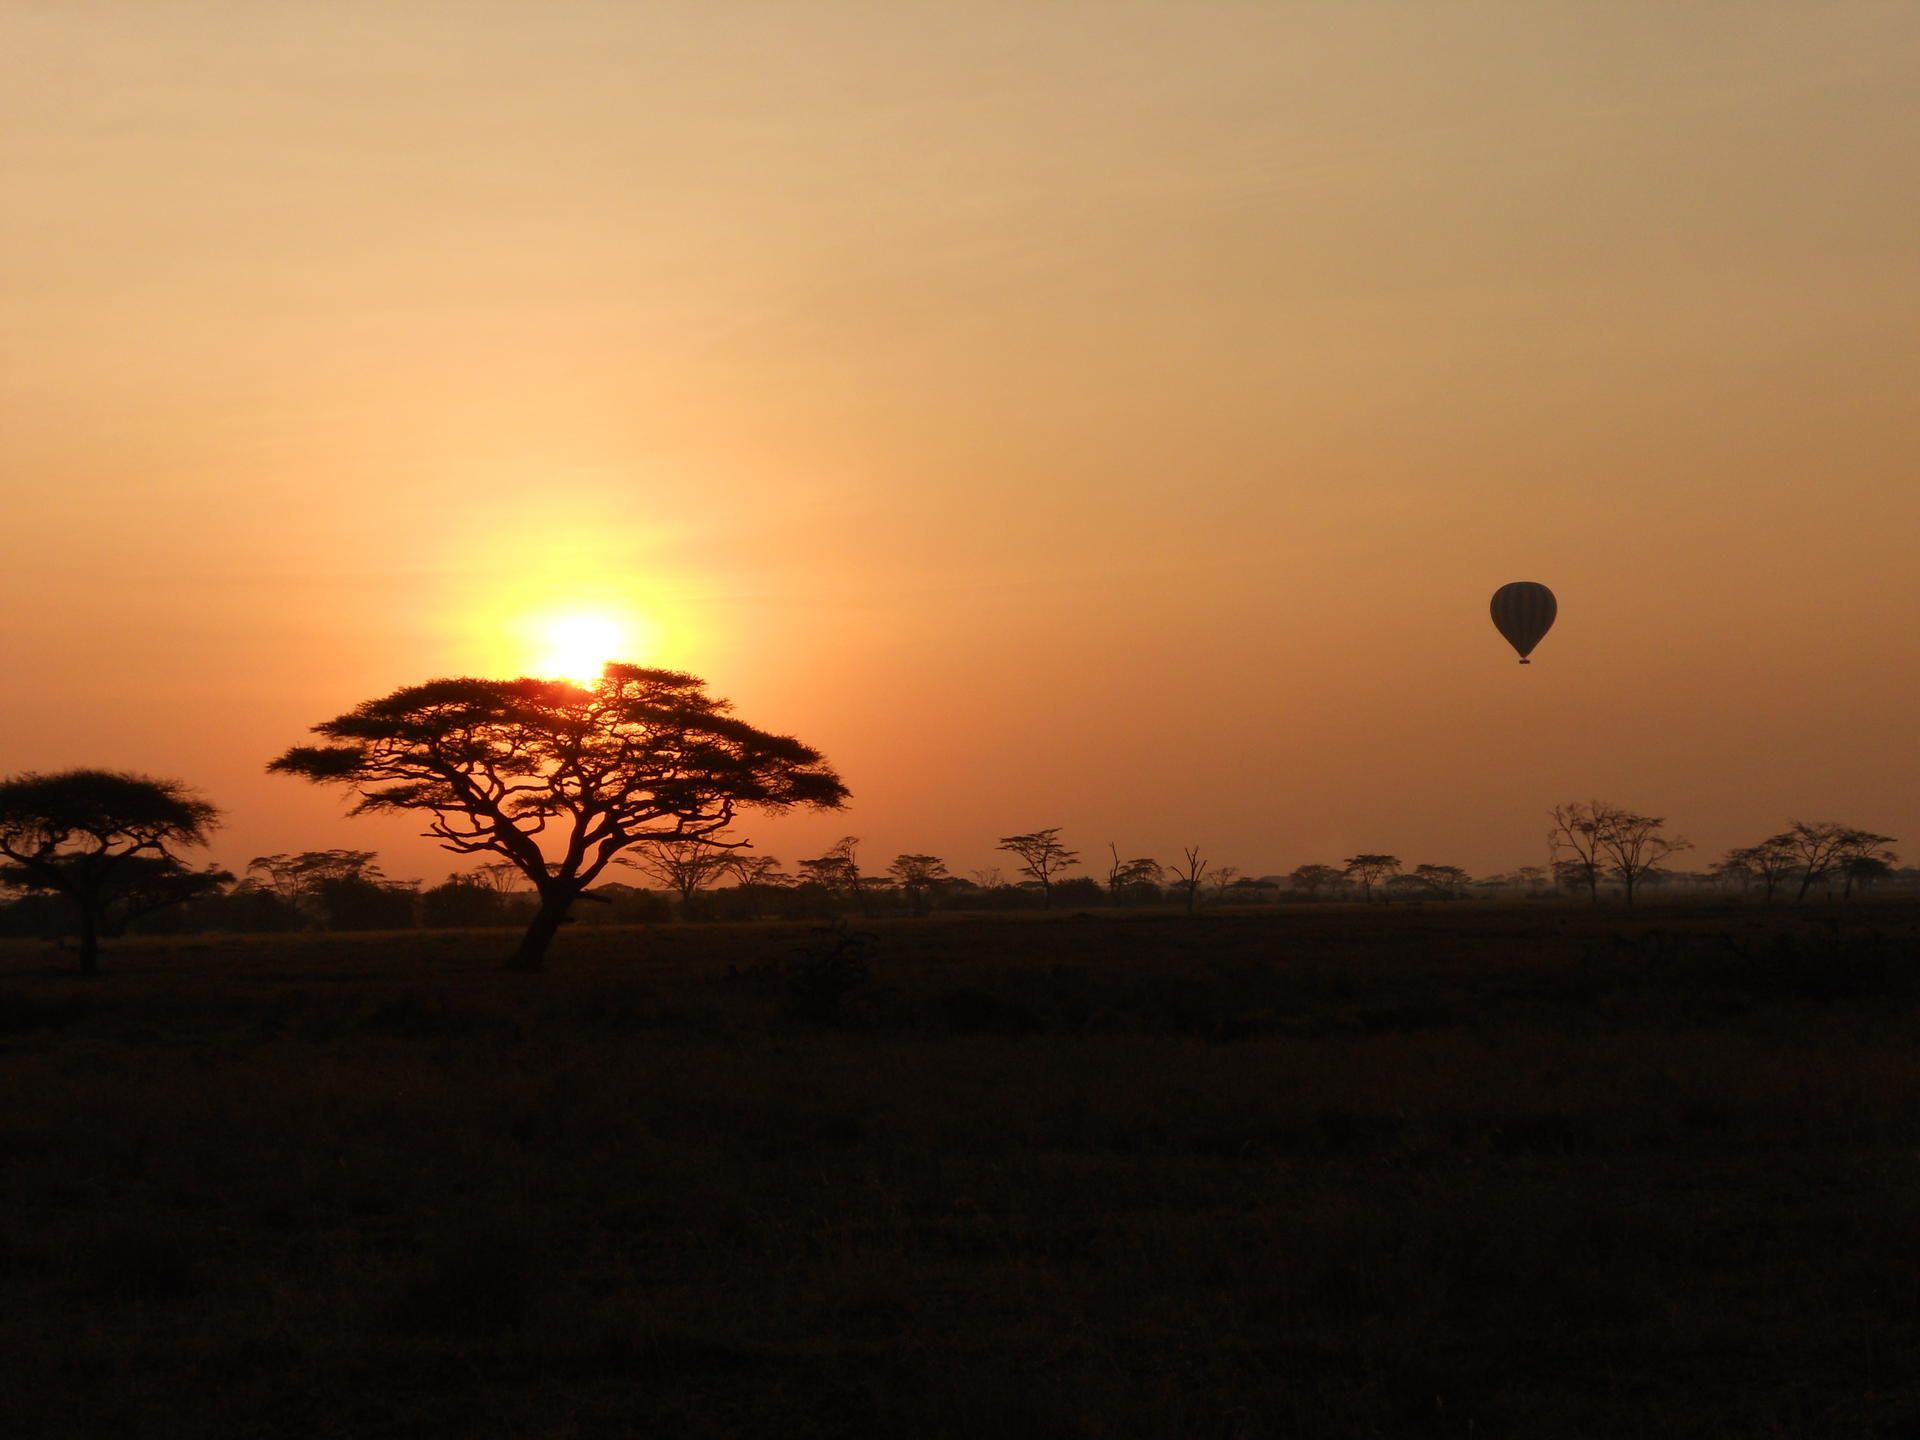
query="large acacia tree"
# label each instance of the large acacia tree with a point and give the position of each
(558, 779)
(104, 841)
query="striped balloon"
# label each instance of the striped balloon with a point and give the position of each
(1523, 612)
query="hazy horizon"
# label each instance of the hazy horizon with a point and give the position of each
(1108, 419)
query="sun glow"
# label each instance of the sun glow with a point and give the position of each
(578, 645)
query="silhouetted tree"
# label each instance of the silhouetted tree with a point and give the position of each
(1574, 876)
(1866, 871)
(685, 866)
(1447, 880)
(918, 876)
(466, 900)
(1770, 862)
(295, 877)
(1405, 887)
(1041, 856)
(367, 902)
(1189, 874)
(1314, 878)
(761, 870)
(838, 871)
(1597, 837)
(1864, 856)
(1574, 843)
(1820, 848)
(1634, 845)
(1222, 877)
(340, 889)
(501, 876)
(758, 876)
(1733, 868)
(104, 841)
(1128, 876)
(1369, 870)
(514, 768)
(1082, 890)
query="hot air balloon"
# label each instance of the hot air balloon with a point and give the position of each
(1523, 612)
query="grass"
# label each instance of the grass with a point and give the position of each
(1460, 1170)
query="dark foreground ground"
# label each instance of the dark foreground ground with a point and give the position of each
(1457, 1171)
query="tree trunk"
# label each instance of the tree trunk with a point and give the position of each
(1628, 879)
(547, 921)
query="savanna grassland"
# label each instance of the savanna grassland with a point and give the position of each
(1459, 1170)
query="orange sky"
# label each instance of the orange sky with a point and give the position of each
(1107, 416)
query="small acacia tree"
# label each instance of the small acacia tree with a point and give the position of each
(838, 871)
(339, 889)
(1447, 880)
(1635, 846)
(1821, 848)
(104, 841)
(295, 877)
(1312, 879)
(918, 876)
(757, 877)
(1574, 845)
(1370, 870)
(1124, 876)
(1867, 871)
(1041, 856)
(683, 865)
(559, 779)
(1772, 862)
(1189, 873)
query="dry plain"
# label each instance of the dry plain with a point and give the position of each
(1535, 1171)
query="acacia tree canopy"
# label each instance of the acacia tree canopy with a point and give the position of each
(1448, 880)
(684, 866)
(1823, 847)
(917, 876)
(1369, 869)
(559, 779)
(104, 840)
(1042, 856)
(1597, 837)
(1123, 876)
(1770, 862)
(1314, 878)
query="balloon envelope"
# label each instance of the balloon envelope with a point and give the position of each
(1523, 612)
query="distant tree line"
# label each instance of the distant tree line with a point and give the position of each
(556, 789)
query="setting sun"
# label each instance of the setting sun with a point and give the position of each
(578, 646)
